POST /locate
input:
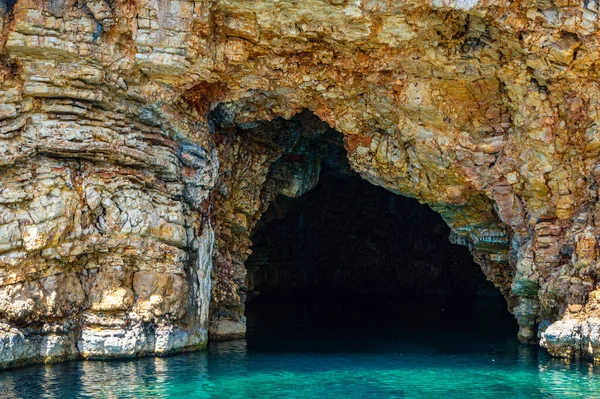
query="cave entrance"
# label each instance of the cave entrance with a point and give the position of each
(343, 256)
(349, 237)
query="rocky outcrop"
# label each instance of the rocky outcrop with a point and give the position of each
(104, 249)
(486, 110)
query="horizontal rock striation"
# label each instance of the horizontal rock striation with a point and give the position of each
(129, 127)
(104, 246)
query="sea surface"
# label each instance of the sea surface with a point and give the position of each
(318, 348)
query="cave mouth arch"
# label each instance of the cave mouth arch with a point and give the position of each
(323, 236)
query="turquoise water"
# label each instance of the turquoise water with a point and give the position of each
(349, 350)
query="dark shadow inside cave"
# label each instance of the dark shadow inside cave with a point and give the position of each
(349, 237)
(349, 257)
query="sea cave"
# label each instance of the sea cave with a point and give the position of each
(352, 198)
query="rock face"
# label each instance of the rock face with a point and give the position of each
(130, 129)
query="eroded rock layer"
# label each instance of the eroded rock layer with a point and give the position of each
(112, 172)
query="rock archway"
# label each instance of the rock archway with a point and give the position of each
(112, 170)
(289, 157)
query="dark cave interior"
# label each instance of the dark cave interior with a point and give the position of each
(349, 237)
(349, 261)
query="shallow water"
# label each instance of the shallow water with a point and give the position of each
(346, 350)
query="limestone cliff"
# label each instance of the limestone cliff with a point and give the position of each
(130, 129)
